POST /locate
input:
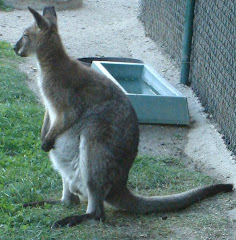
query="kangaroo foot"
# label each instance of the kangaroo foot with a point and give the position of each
(41, 204)
(72, 221)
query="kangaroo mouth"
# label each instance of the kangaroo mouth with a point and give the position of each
(22, 55)
(19, 52)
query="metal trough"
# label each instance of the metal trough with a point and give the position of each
(153, 98)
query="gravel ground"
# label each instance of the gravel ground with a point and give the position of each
(111, 28)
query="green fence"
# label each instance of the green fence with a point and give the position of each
(213, 59)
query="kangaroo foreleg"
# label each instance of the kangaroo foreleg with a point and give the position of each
(46, 126)
(62, 123)
(55, 129)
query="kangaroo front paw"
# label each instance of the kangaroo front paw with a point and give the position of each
(47, 145)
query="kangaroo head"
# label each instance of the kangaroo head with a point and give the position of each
(37, 34)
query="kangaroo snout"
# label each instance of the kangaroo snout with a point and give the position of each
(17, 48)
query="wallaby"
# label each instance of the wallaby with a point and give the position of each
(91, 131)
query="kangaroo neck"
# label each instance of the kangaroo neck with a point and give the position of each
(51, 56)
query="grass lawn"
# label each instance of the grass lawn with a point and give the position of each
(26, 175)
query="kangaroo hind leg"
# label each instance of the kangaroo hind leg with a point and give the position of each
(95, 210)
(94, 177)
(67, 199)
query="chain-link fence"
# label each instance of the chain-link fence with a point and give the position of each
(164, 23)
(212, 69)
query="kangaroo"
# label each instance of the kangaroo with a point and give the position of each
(91, 132)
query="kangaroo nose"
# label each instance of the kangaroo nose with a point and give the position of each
(15, 48)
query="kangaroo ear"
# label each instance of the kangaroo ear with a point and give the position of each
(50, 14)
(41, 22)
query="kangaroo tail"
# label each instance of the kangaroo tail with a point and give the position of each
(128, 201)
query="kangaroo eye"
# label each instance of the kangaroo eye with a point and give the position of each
(25, 36)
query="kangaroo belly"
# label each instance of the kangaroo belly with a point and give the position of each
(67, 160)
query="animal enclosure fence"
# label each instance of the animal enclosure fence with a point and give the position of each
(212, 66)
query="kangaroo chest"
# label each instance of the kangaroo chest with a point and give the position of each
(49, 107)
(47, 103)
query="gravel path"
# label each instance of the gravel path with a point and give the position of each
(111, 28)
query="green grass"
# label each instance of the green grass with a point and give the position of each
(3, 7)
(26, 175)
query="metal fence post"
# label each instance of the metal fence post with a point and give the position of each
(187, 42)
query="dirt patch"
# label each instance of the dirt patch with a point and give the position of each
(111, 28)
